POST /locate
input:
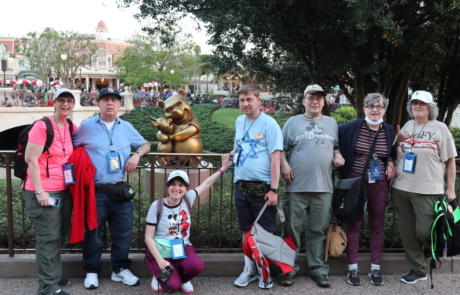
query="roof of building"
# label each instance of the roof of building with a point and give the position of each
(101, 26)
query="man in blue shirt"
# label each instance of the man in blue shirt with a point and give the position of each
(258, 145)
(108, 140)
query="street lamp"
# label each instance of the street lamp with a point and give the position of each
(64, 57)
(4, 63)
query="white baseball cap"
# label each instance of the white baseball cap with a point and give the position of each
(314, 88)
(421, 95)
(178, 173)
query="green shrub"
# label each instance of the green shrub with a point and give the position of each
(344, 114)
(456, 134)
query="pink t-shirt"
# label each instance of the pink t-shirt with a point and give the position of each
(62, 139)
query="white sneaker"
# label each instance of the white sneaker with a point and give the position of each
(125, 276)
(264, 285)
(186, 288)
(91, 281)
(155, 286)
(248, 275)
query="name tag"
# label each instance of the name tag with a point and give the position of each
(178, 249)
(236, 156)
(114, 161)
(375, 172)
(409, 163)
(69, 176)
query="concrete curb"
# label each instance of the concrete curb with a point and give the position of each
(223, 264)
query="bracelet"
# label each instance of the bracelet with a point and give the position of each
(391, 167)
(221, 171)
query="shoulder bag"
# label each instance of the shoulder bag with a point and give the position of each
(349, 201)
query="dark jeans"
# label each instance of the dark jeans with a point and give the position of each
(119, 215)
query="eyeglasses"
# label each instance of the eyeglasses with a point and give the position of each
(313, 98)
(375, 107)
(63, 101)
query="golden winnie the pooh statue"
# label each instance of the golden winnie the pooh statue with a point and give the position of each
(179, 131)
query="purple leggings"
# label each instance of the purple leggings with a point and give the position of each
(377, 195)
(184, 269)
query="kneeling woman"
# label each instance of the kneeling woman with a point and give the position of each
(174, 223)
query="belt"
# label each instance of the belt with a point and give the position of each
(365, 156)
(107, 185)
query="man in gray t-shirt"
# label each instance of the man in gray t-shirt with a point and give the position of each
(310, 141)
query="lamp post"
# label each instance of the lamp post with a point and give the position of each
(4, 63)
(64, 57)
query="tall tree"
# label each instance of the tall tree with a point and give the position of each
(41, 50)
(362, 46)
(153, 57)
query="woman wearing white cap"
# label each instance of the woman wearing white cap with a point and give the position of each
(168, 227)
(425, 150)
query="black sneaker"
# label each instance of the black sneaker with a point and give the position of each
(60, 292)
(353, 277)
(321, 280)
(413, 277)
(286, 280)
(376, 279)
(426, 253)
(64, 282)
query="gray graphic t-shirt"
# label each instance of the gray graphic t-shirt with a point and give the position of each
(311, 144)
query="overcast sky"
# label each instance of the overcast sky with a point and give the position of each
(81, 16)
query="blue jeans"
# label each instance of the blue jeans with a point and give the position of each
(119, 215)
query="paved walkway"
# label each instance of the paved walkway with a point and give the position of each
(444, 284)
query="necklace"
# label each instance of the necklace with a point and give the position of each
(244, 127)
(60, 137)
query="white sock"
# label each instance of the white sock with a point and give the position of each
(375, 266)
(352, 266)
(248, 261)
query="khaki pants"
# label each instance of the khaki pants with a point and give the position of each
(415, 213)
(312, 211)
(51, 225)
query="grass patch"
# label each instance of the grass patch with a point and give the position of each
(13, 181)
(226, 116)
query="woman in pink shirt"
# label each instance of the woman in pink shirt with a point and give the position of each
(48, 202)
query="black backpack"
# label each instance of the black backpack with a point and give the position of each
(20, 165)
(445, 233)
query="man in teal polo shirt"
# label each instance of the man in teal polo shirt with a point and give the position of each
(108, 141)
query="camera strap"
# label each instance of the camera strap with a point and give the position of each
(159, 284)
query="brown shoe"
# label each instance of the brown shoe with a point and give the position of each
(286, 280)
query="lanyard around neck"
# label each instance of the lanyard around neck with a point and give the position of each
(112, 148)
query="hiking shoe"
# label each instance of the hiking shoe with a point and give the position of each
(376, 279)
(60, 292)
(91, 281)
(353, 277)
(321, 280)
(248, 275)
(286, 280)
(155, 286)
(187, 288)
(413, 277)
(265, 285)
(125, 276)
(64, 282)
(426, 253)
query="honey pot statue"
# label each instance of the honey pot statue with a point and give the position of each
(179, 131)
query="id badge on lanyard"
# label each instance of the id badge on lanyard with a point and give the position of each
(375, 172)
(409, 163)
(114, 161)
(178, 249)
(69, 175)
(236, 156)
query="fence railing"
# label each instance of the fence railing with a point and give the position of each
(214, 222)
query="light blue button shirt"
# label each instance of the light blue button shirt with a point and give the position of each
(93, 136)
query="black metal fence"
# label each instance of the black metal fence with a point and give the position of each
(214, 223)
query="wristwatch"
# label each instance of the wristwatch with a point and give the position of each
(275, 190)
(140, 155)
(39, 192)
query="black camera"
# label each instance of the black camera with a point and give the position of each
(164, 275)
